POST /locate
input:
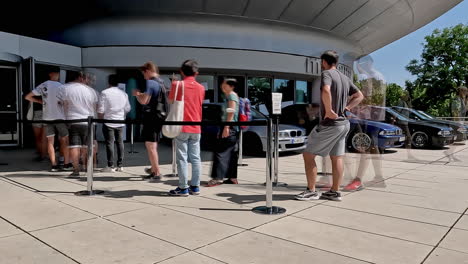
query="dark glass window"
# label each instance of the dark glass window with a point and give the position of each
(286, 87)
(259, 89)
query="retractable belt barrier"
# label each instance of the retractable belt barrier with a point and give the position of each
(90, 121)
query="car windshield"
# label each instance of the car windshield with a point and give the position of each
(426, 115)
(397, 115)
(256, 115)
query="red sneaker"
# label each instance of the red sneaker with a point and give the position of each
(355, 185)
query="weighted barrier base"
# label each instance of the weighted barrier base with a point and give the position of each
(275, 210)
(171, 175)
(278, 184)
(87, 193)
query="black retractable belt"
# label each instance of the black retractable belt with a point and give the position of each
(268, 209)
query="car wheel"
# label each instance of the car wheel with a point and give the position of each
(361, 142)
(252, 144)
(419, 139)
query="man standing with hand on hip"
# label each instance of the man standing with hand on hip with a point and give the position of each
(338, 94)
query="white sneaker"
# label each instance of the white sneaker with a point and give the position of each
(120, 169)
(307, 195)
(108, 169)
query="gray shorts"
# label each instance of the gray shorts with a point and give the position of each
(59, 129)
(37, 115)
(78, 136)
(327, 140)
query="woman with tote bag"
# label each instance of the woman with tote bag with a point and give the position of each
(176, 113)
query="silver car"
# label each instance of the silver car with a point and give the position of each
(291, 138)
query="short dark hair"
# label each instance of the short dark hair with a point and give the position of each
(53, 69)
(73, 76)
(330, 56)
(113, 80)
(231, 82)
(189, 68)
(149, 66)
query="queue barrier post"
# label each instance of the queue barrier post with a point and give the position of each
(90, 168)
(132, 145)
(240, 161)
(276, 154)
(174, 160)
(269, 209)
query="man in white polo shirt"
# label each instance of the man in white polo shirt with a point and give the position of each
(113, 105)
(51, 109)
(79, 102)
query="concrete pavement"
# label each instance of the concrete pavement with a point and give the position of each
(417, 214)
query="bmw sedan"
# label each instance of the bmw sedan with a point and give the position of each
(461, 131)
(422, 134)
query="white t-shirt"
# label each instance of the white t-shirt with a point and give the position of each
(114, 104)
(51, 108)
(79, 100)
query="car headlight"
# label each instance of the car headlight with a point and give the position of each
(283, 134)
(461, 130)
(387, 132)
(444, 133)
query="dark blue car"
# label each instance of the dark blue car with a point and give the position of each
(363, 134)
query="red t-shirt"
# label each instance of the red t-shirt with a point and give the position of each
(193, 100)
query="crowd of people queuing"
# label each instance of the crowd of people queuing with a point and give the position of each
(78, 99)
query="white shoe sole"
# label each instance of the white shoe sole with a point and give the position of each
(307, 199)
(331, 199)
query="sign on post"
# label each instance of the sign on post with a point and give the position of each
(276, 103)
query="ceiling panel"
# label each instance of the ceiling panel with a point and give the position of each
(363, 15)
(184, 6)
(303, 11)
(336, 12)
(269, 9)
(229, 7)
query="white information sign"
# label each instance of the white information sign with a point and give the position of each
(276, 103)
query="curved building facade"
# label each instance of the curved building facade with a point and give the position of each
(269, 45)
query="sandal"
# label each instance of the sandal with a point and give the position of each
(213, 183)
(231, 181)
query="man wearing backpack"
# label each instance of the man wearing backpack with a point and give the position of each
(151, 122)
(188, 141)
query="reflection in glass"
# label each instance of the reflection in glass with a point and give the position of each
(258, 88)
(302, 92)
(208, 82)
(286, 87)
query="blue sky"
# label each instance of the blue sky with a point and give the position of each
(392, 59)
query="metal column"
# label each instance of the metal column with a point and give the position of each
(90, 167)
(174, 160)
(132, 146)
(269, 208)
(240, 161)
(276, 154)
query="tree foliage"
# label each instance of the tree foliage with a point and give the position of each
(394, 94)
(441, 69)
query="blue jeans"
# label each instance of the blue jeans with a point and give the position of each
(188, 148)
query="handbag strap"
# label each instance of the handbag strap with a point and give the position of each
(176, 90)
(183, 90)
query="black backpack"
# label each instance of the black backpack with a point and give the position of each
(162, 107)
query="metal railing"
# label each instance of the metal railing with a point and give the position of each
(271, 164)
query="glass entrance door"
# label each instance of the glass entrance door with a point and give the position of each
(9, 132)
